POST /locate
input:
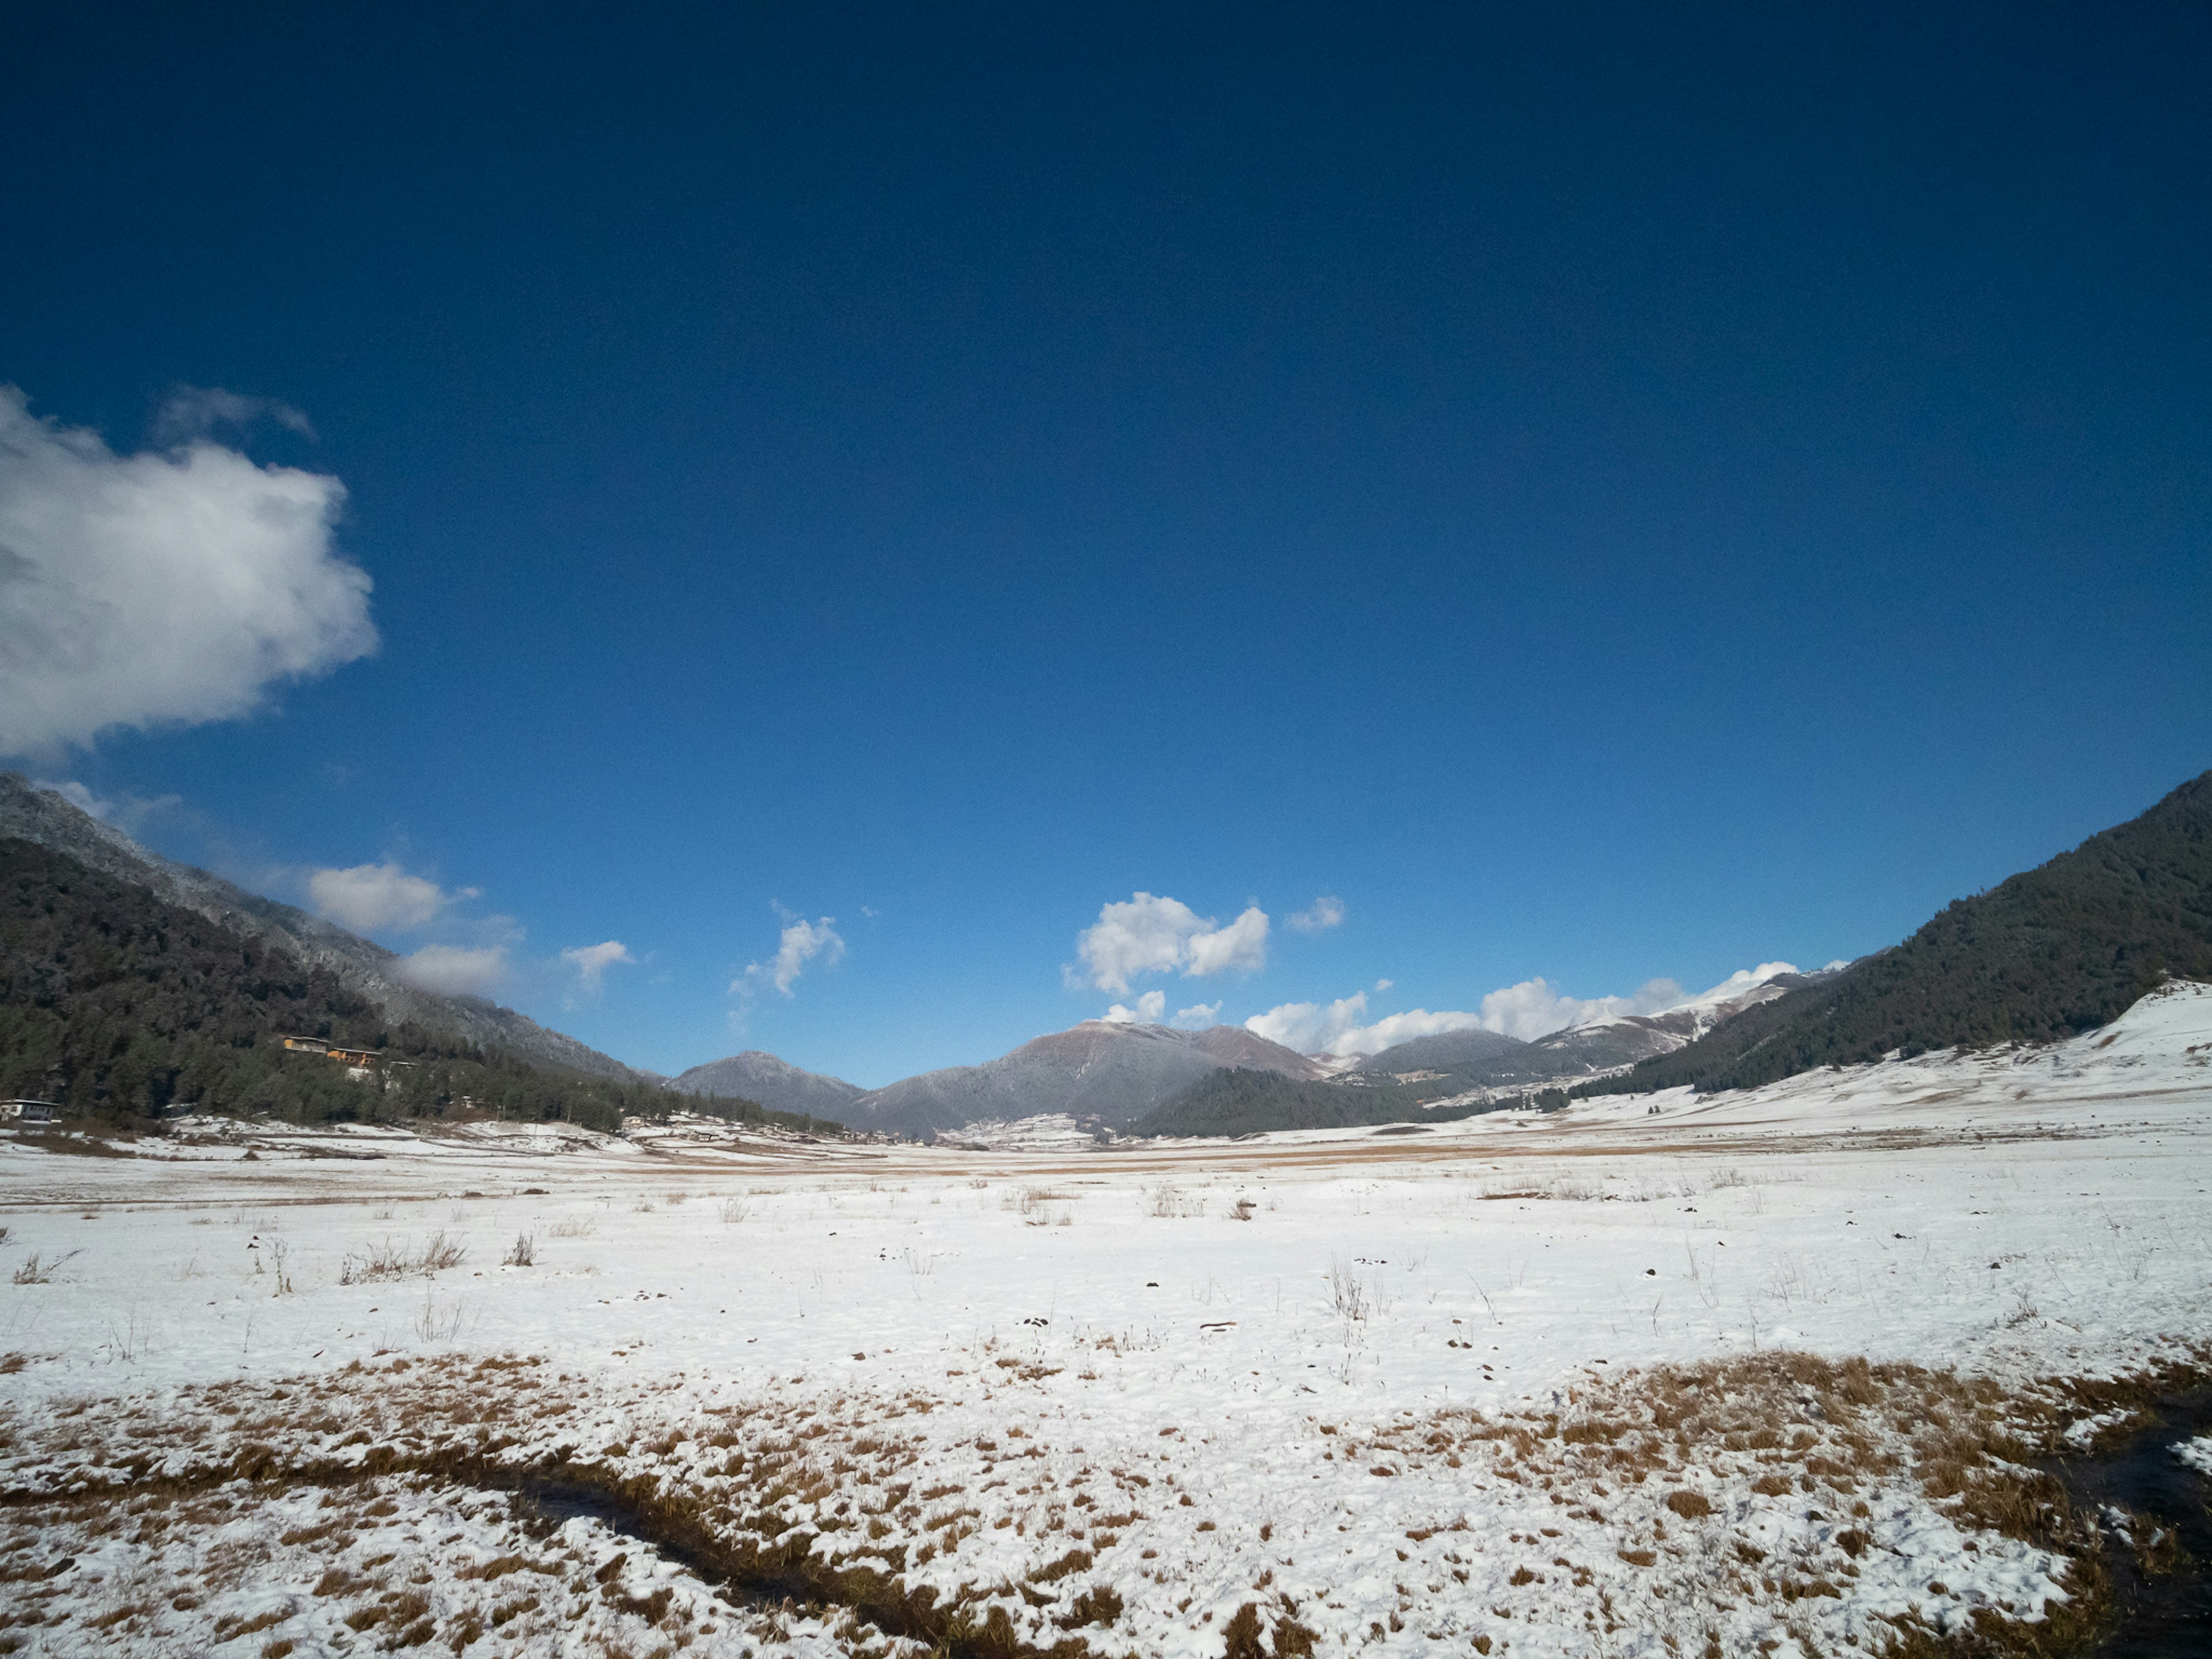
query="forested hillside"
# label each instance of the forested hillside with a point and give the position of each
(2050, 952)
(1237, 1102)
(118, 1006)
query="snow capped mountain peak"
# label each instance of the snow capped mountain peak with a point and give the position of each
(1741, 988)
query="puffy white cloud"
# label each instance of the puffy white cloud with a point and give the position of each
(1532, 1009)
(1309, 1027)
(453, 971)
(1240, 947)
(1535, 1007)
(1382, 985)
(1325, 911)
(1150, 935)
(160, 588)
(368, 897)
(1197, 1017)
(800, 943)
(1150, 1006)
(592, 962)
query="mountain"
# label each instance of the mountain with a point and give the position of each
(776, 1084)
(2048, 953)
(1475, 1055)
(1454, 1075)
(1618, 1039)
(124, 1008)
(1102, 1070)
(1480, 1059)
(1233, 1100)
(45, 820)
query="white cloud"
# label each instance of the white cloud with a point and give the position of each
(800, 943)
(1532, 1009)
(592, 962)
(160, 588)
(1325, 911)
(1149, 1009)
(1381, 984)
(1148, 935)
(1240, 947)
(1309, 1027)
(369, 898)
(1197, 1017)
(452, 971)
(1535, 1007)
(193, 412)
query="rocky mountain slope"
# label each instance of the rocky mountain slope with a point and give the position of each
(1101, 1070)
(776, 1084)
(42, 818)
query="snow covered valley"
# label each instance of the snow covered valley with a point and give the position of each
(1772, 1372)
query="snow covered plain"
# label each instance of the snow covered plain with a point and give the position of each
(1754, 1373)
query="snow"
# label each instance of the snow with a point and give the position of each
(1314, 1366)
(2198, 1454)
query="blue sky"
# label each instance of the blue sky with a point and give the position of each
(1625, 494)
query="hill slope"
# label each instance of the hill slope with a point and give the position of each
(774, 1083)
(368, 969)
(1100, 1069)
(2047, 953)
(119, 1004)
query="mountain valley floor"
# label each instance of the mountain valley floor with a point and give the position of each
(1783, 1372)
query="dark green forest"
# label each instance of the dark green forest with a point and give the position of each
(119, 1006)
(1237, 1102)
(2047, 954)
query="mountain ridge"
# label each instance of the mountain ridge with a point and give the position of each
(1109, 1071)
(2046, 954)
(47, 819)
(772, 1080)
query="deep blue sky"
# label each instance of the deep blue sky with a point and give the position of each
(1621, 493)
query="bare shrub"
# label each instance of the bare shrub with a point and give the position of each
(37, 1271)
(390, 1260)
(575, 1226)
(1347, 1295)
(439, 1324)
(524, 1253)
(735, 1209)
(1168, 1202)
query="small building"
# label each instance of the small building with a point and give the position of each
(361, 1063)
(29, 1111)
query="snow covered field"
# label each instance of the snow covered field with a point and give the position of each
(1580, 1384)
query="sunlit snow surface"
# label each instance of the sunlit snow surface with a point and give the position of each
(1145, 1353)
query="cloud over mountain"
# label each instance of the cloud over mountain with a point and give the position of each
(1161, 935)
(1531, 1009)
(455, 970)
(163, 588)
(372, 898)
